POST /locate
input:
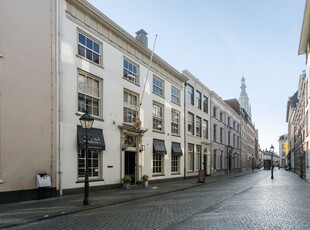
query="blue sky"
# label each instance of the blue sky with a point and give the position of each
(219, 40)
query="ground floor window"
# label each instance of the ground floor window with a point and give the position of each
(190, 160)
(221, 160)
(157, 164)
(175, 164)
(198, 158)
(214, 159)
(93, 163)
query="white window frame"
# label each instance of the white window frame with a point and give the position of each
(205, 104)
(91, 50)
(198, 99)
(89, 93)
(158, 86)
(175, 122)
(221, 135)
(214, 111)
(158, 167)
(175, 95)
(214, 132)
(175, 164)
(158, 117)
(205, 131)
(190, 158)
(131, 71)
(190, 94)
(190, 122)
(130, 106)
(198, 126)
(94, 171)
(198, 158)
(214, 159)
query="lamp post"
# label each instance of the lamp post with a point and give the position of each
(253, 163)
(271, 150)
(86, 121)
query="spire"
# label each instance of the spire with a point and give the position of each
(243, 86)
(244, 99)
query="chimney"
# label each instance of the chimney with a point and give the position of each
(141, 37)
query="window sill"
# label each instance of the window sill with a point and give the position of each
(174, 174)
(157, 175)
(157, 131)
(175, 135)
(96, 118)
(158, 95)
(131, 82)
(176, 103)
(90, 180)
(85, 59)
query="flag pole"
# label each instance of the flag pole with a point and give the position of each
(147, 74)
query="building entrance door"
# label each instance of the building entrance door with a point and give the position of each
(130, 165)
(205, 163)
(229, 163)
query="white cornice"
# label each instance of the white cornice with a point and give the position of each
(97, 17)
(304, 37)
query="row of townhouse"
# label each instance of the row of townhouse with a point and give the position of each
(297, 119)
(60, 58)
(297, 114)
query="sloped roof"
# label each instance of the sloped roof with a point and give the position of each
(234, 104)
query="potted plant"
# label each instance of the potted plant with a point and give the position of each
(145, 179)
(126, 181)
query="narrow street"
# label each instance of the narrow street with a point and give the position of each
(252, 201)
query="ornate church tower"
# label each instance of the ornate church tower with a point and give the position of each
(244, 99)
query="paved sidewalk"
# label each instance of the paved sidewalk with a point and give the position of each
(31, 211)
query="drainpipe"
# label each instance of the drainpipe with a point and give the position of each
(185, 130)
(59, 95)
(211, 147)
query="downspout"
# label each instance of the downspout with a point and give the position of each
(211, 132)
(240, 170)
(185, 129)
(59, 96)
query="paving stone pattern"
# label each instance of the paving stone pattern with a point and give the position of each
(251, 201)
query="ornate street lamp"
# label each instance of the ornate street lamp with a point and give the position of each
(272, 151)
(87, 122)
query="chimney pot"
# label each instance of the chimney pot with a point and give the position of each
(141, 36)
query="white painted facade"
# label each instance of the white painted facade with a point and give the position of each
(197, 129)
(137, 108)
(116, 46)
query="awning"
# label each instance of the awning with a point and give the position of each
(95, 138)
(159, 147)
(176, 149)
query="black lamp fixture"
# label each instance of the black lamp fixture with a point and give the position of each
(86, 121)
(272, 151)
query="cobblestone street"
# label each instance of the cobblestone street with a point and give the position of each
(251, 201)
(282, 203)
